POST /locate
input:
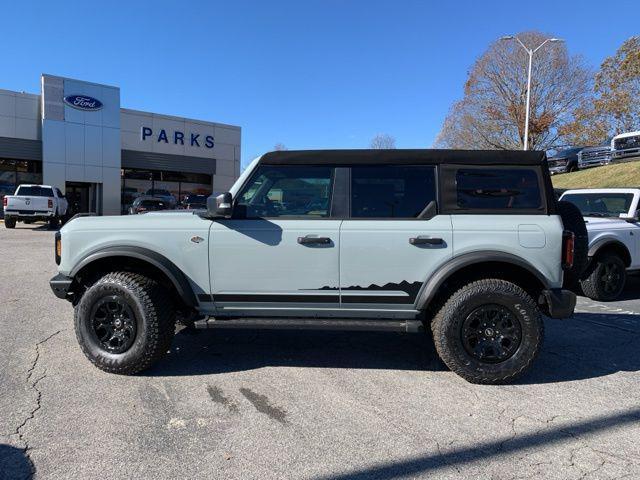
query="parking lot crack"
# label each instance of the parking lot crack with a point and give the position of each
(33, 384)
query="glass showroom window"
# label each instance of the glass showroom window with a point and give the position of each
(15, 172)
(136, 183)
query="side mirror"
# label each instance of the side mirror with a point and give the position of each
(630, 218)
(220, 206)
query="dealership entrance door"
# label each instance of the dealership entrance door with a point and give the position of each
(83, 197)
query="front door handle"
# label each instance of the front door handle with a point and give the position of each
(309, 240)
(422, 240)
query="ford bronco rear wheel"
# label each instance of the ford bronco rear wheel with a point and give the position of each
(124, 323)
(489, 331)
(605, 279)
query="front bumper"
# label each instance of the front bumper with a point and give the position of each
(626, 154)
(558, 303)
(61, 286)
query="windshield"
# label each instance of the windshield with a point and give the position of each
(600, 204)
(568, 151)
(35, 191)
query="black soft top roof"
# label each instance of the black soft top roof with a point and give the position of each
(403, 157)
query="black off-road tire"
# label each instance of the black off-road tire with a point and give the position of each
(447, 329)
(594, 285)
(154, 319)
(9, 222)
(54, 222)
(573, 221)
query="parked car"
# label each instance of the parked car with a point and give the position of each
(564, 161)
(147, 204)
(595, 156)
(626, 146)
(469, 244)
(194, 202)
(32, 203)
(164, 195)
(614, 238)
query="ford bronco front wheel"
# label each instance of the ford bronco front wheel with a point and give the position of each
(489, 331)
(124, 322)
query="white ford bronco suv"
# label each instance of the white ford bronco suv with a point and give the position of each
(471, 245)
(612, 217)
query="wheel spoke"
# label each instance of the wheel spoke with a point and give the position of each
(491, 333)
(113, 324)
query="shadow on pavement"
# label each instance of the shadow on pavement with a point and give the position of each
(219, 351)
(418, 466)
(632, 288)
(586, 346)
(14, 463)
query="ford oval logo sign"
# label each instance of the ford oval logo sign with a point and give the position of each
(83, 102)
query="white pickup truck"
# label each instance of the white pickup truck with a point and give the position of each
(612, 218)
(31, 203)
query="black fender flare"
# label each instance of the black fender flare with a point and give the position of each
(605, 242)
(455, 264)
(162, 263)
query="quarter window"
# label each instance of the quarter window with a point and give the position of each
(286, 191)
(391, 191)
(498, 189)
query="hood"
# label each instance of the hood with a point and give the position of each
(603, 223)
(597, 148)
(162, 220)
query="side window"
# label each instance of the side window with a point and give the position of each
(59, 193)
(497, 189)
(286, 191)
(391, 191)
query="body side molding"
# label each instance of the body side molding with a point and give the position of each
(432, 284)
(166, 266)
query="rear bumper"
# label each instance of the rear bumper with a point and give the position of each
(8, 212)
(61, 285)
(558, 303)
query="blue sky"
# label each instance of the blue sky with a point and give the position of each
(309, 74)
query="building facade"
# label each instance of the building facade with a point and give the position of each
(75, 136)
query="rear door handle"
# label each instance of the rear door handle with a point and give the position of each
(422, 240)
(309, 240)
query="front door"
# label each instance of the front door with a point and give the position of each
(393, 241)
(279, 253)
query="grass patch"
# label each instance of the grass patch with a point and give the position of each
(617, 175)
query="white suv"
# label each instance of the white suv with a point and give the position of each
(469, 244)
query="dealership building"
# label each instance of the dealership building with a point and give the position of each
(75, 136)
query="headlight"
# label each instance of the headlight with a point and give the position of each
(58, 248)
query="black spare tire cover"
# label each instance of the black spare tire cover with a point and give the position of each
(573, 221)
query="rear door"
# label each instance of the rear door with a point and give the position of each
(393, 240)
(278, 255)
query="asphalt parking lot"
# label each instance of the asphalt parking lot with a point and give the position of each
(313, 405)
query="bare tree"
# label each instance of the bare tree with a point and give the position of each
(279, 146)
(491, 114)
(383, 141)
(615, 107)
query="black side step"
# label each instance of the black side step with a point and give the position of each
(314, 324)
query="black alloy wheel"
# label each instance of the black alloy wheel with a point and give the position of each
(606, 278)
(491, 333)
(610, 277)
(113, 324)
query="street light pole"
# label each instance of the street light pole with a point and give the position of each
(530, 52)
